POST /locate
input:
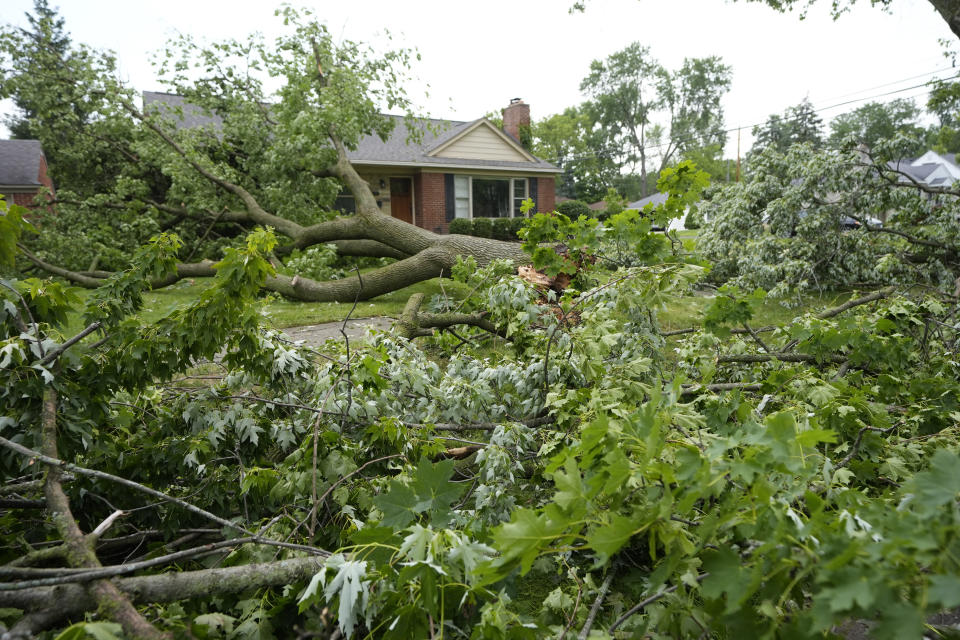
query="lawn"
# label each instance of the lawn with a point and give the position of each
(281, 313)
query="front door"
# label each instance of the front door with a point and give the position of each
(401, 199)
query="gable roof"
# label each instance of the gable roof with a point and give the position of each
(20, 163)
(397, 150)
(436, 136)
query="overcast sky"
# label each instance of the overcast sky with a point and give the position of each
(478, 55)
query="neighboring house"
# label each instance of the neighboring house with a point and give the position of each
(657, 199)
(456, 170)
(23, 171)
(932, 169)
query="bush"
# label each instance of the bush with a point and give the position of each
(482, 227)
(503, 229)
(462, 226)
(573, 209)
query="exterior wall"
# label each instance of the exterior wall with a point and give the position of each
(22, 199)
(43, 177)
(482, 144)
(429, 204)
(546, 195)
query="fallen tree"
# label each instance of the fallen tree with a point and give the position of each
(269, 162)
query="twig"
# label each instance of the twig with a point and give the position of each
(353, 473)
(93, 473)
(66, 576)
(106, 524)
(647, 601)
(856, 443)
(55, 353)
(585, 631)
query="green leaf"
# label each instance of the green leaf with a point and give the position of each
(607, 538)
(98, 630)
(524, 537)
(944, 590)
(854, 589)
(398, 505)
(939, 484)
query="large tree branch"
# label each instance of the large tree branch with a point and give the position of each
(79, 547)
(73, 600)
(257, 214)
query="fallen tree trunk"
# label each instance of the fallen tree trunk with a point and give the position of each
(71, 600)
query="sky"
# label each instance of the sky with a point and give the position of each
(476, 56)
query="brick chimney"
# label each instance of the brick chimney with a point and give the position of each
(516, 115)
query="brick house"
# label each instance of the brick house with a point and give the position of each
(23, 171)
(456, 169)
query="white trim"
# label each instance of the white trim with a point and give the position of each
(479, 123)
(514, 212)
(455, 167)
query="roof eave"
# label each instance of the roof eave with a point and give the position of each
(441, 165)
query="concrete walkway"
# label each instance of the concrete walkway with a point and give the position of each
(315, 335)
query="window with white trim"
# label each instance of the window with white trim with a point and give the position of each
(488, 197)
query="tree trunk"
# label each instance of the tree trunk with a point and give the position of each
(949, 10)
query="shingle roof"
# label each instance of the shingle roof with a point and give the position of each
(656, 198)
(20, 162)
(918, 173)
(193, 116)
(371, 149)
(396, 149)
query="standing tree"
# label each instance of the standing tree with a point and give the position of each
(571, 141)
(59, 99)
(629, 93)
(799, 124)
(877, 121)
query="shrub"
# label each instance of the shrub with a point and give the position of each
(482, 227)
(503, 229)
(462, 226)
(573, 209)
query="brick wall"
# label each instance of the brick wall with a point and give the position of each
(430, 207)
(546, 195)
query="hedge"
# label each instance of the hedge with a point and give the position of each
(497, 228)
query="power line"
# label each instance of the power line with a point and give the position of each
(652, 147)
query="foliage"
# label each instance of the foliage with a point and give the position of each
(572, 141)
(132, 183)
(445, 475)
(809, 219)
(639, 104)
(574, 208)
(506, 229)
(799, 124)
(874, 121)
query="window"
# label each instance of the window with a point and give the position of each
(491, 198)
(519, 195)
(484, 197)
(461, 192)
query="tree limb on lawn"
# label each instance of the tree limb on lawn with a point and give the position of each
(73, 600)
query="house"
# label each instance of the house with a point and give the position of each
(657, 199)
(932, 169)
(23, 171)
(455, 170)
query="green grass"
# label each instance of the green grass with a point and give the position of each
(283, 313)
(286, 313)
(687, 311)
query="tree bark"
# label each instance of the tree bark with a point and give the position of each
(71, 600)
(949, 10)
(79, 548)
